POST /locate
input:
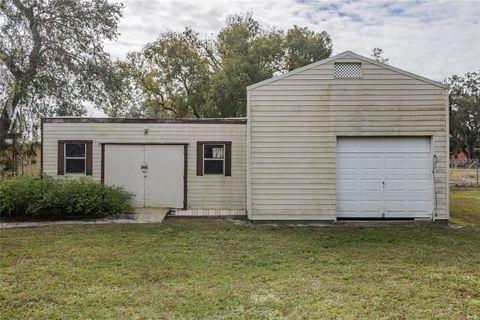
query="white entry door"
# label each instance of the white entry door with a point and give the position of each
(153, 173)
(384, 177)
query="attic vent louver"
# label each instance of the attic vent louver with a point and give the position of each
(348, 70)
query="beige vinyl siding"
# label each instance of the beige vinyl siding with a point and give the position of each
(204, 192)
(294, 123)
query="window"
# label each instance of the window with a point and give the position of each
(214, 158)
(348, 70)
(74, 157)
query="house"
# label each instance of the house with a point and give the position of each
(343, 138)
(458, 158)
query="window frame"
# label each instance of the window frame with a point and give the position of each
(61, 163)
(227, 157)
(214, 159)
(65, 158)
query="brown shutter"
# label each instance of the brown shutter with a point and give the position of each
(89, 158)
(199, 159)
(60, 159)
(228, 158)
(102, 170)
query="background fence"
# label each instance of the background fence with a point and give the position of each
(465, 173)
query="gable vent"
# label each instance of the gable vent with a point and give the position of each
(348, 70)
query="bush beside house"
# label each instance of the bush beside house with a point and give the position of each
(28, 198)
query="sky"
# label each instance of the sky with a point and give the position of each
(434, 39)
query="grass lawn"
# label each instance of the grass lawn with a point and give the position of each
(185, 269)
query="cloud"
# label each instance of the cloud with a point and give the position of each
(432, 38)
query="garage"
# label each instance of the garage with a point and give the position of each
(347, 137)
(381, 177)
(153, 173)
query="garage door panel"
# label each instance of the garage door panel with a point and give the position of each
(393, 179)
(395, 184)
(419, 185)
(395, 163)
(371, 206)
(359, 215)
(348, 206)
(420, 162)
(371, 163)
(347, 185)
(418, 206)
(348, 163)
(409, 195)
(418, 174)
(360, 195)
(395, 206)
(370, 185)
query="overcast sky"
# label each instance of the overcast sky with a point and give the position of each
(432, 38)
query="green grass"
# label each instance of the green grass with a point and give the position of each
(186, 269)
(465, 206)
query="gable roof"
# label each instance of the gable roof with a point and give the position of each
(346, 54)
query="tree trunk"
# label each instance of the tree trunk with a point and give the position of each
(471, 151)
(5, 123)
(16, 92)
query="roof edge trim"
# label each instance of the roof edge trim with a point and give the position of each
(342, 55)
(144, 120)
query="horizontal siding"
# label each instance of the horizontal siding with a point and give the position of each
(353, 85)
(294, 123)
(204, 192)
(350, 92)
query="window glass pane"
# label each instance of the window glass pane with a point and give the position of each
(74, 165)
(213, 151)
(213, 166)
(75, 150)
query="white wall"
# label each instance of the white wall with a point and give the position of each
(204, 192)
(294, 122)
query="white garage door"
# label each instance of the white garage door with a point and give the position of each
(384, 177)
(154, 173)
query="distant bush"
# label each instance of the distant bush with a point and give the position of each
(28, 198)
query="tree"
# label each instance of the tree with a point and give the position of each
(52, 60)
(464, 99)
(377, 55)
(172, 75)
(247, 54)
(182, 75)
(304, 46)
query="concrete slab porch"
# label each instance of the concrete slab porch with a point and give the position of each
(143, 215)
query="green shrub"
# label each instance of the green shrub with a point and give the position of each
(28, 198)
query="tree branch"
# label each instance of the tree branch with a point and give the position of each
(11, 65)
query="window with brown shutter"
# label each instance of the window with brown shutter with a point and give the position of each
(214, 158)
(75, 157)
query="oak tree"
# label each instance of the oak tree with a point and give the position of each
(464, 98)
(184, 75)
(52, 60)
